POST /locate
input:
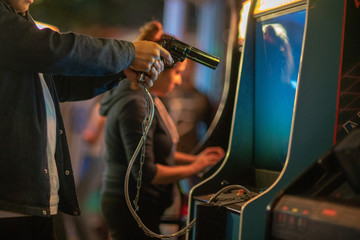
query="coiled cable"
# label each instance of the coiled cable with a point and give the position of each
(146, 126)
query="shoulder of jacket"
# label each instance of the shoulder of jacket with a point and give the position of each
(7, 6)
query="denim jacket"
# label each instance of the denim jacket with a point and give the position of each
(75, 67)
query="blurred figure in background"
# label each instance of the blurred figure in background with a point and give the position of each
(91, 225)
(190, 110)
(86, 144)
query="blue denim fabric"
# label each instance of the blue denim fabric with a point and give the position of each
(75, 67)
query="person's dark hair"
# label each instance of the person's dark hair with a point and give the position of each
(152, 31)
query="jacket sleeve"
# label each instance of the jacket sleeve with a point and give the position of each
(75, 88)
(25, 48)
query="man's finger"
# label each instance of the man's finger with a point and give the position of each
(159, 66)
(154, 73)
(166, 56)
(148, 81)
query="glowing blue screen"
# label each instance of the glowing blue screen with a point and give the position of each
(278, 46)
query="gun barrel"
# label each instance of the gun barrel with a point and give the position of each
(180, 50)
(203, 58)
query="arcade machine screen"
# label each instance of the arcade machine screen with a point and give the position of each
(278, 47)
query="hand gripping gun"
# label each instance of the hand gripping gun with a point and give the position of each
(180, 50)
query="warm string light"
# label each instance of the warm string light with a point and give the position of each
(265, 5)
(244, 13)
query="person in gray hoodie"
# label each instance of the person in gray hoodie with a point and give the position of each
(124, 108)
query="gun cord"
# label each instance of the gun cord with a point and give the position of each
(149, 115)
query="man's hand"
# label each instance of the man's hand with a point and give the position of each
(147, 60)
(156, 69)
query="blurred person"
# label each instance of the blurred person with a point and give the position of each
(39, 68)
(84, 128)
(90, 225)
(279, 53)
(124, 108)
(190, 110)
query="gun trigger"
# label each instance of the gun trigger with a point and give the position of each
(140, 77)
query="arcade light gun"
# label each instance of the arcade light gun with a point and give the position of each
(180, 50)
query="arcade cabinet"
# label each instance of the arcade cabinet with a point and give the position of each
(323, 203)
(284, 116)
